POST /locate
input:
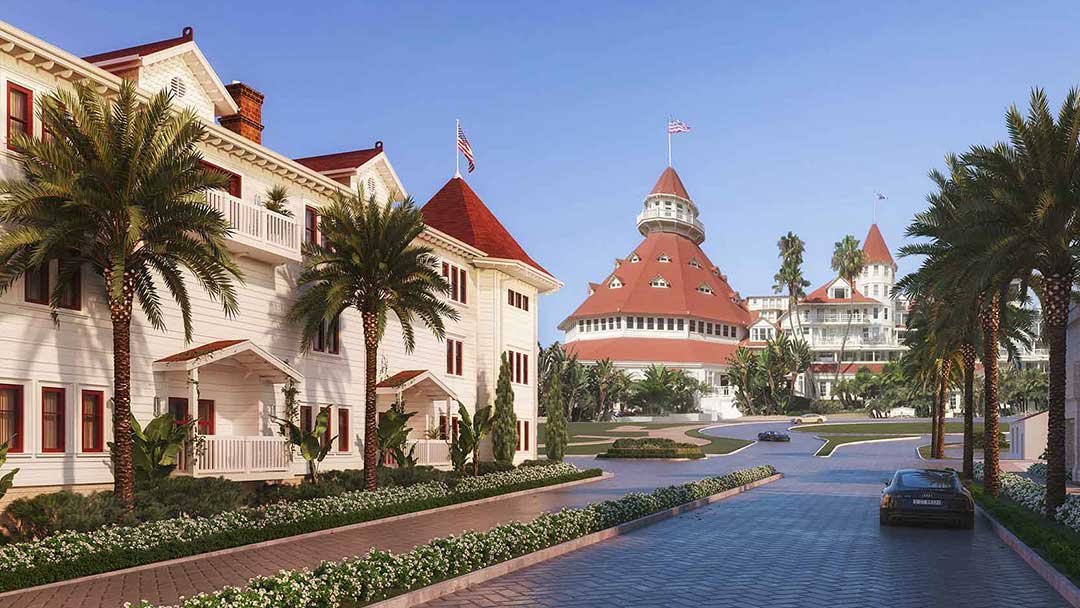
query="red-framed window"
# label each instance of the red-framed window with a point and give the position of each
(52, 419)
(343, 429)
(20, 112)
(454, 357)
(235, 186)
(93, 421)
(207, 417)
(11, 416)
(326, 433)
(307, 421)
(311, 225)
(36, 284)
(525, 427)
(71, 298)
(517, 300)
(328, 338)
(519, 367)
(457, 278)
(522, 435)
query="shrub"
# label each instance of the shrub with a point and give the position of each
(652, 447)
(44, 515)
(404, 477)
(536, 463)
(490, 466)
(190, 496)
(270, 493)
(381, 574)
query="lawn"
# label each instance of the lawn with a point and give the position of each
(924, 451)
(889, 428)
(603, 432)
(834, 441)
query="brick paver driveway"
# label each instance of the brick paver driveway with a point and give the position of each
(811, 539)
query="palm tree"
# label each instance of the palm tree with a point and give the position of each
(848, 261)
(119, 188)
(602, 376)
(1031, 227)
(790, 278)
(368, 261)
(277, 200)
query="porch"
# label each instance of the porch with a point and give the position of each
(434, 405)
(234, 386)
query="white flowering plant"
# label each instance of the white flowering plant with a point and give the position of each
(380, 574)
(72, 554)
(1032, 495)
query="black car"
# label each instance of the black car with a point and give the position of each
(773, 436)
(926, 495)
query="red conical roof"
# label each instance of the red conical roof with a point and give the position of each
(459, 212)
(636, 296)
(875, 251)
(670, 183)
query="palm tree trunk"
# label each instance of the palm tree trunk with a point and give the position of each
(967, 352)
(991, 321)
(371, 419)
(934, 404)
(1056, 319)
(946, 370)
(123, 476)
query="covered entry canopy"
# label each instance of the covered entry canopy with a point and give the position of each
(415, 380)
(240, 352)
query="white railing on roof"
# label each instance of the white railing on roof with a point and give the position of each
(251, 222)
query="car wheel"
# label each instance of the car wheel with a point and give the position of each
(969, 522)
(883, 518)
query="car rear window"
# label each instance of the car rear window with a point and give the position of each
(927, 480)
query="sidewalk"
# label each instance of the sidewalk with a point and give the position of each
(167, 582)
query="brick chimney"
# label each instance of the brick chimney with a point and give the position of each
(248, 121)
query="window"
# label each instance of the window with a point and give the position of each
(886, 312)
(328, 337)
(650, 319)
(877, 290)
(343, 429)
(693, 326)
(235, 183)
(521, 301)
(207, 417)
(875, 312)
(326, 433)
(641, 322)
(11, 416)
(679, 325)
(839, 293)
(519, 367)
(456, 278)
(659, 282)
(36, 284)
(703, 288)
(523, 435)
(664, 258)
(307, 422)
(709, 329)
(178, 408)
(52, 419)
(311, 226)
(71, 298)
(93, 421)
(671, 324)
(695, 264)
(634, 259)
(20, 109)
(453, 357)
(615, 283)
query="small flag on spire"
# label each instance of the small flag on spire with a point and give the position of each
(677, 126)
(465, 148)
(879, 196)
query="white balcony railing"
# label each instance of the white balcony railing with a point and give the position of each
(225, 454)
(432, 452)
(669, 214)
(257, 227)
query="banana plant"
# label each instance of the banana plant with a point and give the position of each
(156, 448)
(9, 478)
(392, 436)
(474, 429)
(314, 444)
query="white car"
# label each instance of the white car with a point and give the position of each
(809, 419)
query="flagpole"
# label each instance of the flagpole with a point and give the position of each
(667, 128)
(457, 153)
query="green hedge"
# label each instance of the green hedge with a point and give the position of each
(651, 447)
(109, 561)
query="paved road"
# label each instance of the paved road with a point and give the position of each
(811, 539)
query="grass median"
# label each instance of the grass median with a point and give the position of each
(834, 441)
(889, 428)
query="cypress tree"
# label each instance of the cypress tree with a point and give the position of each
(504, 429)
(555, 430)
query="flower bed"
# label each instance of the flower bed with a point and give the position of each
(652, 447)
(73, 554)
(1038, 471)
(1032, 495)
(381, 574)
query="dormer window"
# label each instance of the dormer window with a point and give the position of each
(839, 293)
(634, 258)
(703, 288)
(615, 283)
(659, 282)
(664, 258)
(695, 264)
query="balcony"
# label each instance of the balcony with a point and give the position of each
(681, 222)
(258, 232)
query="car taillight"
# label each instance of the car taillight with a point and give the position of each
(886, 500)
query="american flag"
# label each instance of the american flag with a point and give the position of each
(466, 149)
(677, 126)
(879, 196)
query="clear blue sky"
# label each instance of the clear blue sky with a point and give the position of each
(800, 111)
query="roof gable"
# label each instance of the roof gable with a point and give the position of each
(670, 183)
(875, 251)
(822, 294)
(457, 211)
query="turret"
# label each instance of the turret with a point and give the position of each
(668, 208)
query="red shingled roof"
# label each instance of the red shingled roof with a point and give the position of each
(849, 368)
(457, 211)
(670, 183)
(821, 296)
(199, 351)
(875, 251)
(141, 50)
(660, 350)
(636, 296)
(341, 160)
(400, 378)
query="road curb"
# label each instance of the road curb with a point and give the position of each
(1061, 583)
(304, 536)
(840, 445)
(432, 592)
